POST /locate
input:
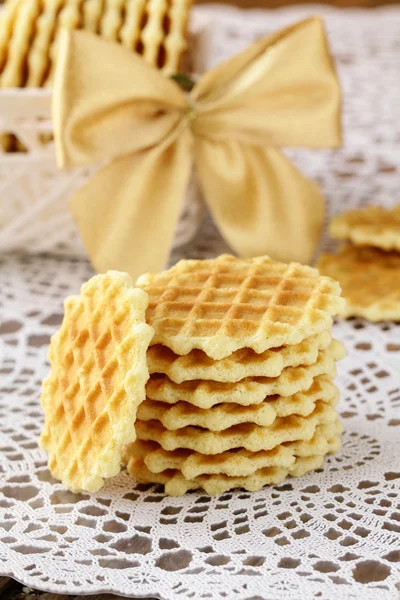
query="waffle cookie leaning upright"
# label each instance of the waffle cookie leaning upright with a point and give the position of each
(97, 380)
(241, 362)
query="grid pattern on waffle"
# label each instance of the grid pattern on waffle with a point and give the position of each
(30, 33)
(223, 305)
(97, 380)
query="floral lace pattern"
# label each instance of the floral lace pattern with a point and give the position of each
(331, 533)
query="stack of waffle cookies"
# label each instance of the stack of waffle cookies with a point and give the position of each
(241, 365)
(368, 264)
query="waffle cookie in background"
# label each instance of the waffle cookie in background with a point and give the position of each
(370, 279)
(30, 31)
(241, 364)
(368, 265)
(370, 226)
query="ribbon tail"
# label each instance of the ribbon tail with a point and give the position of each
(127, 212)
(261, 203)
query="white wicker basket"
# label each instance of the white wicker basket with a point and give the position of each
(34, 193)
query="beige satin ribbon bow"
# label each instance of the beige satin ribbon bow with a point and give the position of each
(109, 105)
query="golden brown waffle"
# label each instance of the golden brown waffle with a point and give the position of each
(69, 19)
(156, 29)
(222, 305)
(8, 16)
(153, 32)
(176, 485)
(247, 435)
(97, 380)
(135, 15)
(92, 13)
(39, 53)
(234, 463)
(14, 72)
(370, 279)
(112, 19)
(371, 226)
(223, 416)
(164, 34)
(251, 390)
(239, 365)
(176, 40)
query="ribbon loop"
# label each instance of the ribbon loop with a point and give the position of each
(109, 105)
(108, 102)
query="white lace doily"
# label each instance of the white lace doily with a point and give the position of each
(333, 533)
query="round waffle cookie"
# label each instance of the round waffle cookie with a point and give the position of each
(176, 484)
(97, 380)
(251, 390)
(250, 436)
(226, 304)
(239, 365)
(370, 226)
(370, 281)
(223, 416)
(234, 463)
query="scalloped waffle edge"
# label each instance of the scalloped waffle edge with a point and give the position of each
(97, 380)
(369, 226)
(224, 304)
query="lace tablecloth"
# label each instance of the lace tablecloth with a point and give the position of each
(329, 534)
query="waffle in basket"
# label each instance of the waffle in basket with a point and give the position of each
(240, 393)
(30, 32)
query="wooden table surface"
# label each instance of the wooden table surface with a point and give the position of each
(10, 590)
